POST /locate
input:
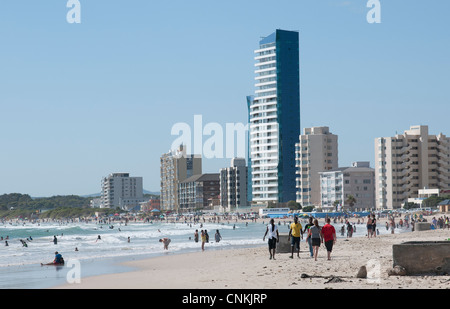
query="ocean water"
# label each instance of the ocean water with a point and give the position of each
(20, 267)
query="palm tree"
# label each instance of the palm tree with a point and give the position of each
(336, 204)
(351, 201)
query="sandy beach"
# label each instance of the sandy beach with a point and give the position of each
(251, 268)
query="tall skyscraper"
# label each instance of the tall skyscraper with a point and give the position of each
(408, 162)
(274, 118)
(316, 151)
(176, 166)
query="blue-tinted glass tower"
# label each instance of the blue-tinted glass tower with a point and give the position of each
(274, 118)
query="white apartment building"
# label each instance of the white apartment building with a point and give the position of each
(316, 151)
(233, 185)
(176, 166)
(338, 184)
(121, 190)
(408, 162)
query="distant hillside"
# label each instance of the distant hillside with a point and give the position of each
(24, 201)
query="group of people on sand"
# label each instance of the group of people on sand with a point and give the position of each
(316, 236)
(204, 237)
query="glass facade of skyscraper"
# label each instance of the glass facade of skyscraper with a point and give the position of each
(274, 118)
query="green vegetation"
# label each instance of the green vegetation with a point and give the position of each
(24, 201)
(308, 208)
(293, 205)
(433, 201)
(351, 201)
(16, 205)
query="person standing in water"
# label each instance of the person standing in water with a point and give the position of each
(203, 237)
(217, 236)
(196, 236)
(274, 237)
(166, 242)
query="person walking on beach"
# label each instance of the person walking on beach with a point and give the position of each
(295, 231)
(316, 237)
(308, 239)
(273, 237)
(329, 237)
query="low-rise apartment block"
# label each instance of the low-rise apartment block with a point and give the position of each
(408, 162)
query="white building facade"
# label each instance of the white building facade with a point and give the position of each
(408, 162)
(337, 185)
(316, 151)
(121, 190)
(176, 166)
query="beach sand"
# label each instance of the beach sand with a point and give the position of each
(251, 268)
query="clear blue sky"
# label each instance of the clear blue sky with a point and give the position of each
(80, 101)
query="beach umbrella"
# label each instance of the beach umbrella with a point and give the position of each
(155, 210)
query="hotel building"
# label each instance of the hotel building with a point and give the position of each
(316, 151)
(408, 162)
(338, 184)
(176, 166)
(197, 192)
(121, 190)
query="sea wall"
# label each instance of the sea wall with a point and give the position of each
(423, 257)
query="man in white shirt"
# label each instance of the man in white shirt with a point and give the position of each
(274, 237)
